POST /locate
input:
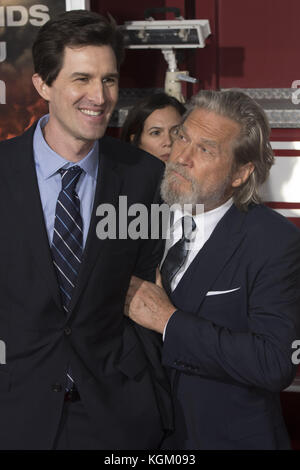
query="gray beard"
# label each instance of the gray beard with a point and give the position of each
(171, 194)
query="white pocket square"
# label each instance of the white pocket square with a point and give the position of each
(220, 292)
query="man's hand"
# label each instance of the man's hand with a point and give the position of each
(148, 305)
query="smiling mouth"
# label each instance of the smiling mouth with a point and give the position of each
(89, 112)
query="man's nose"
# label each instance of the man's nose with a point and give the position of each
(97, 93)
(184, 155)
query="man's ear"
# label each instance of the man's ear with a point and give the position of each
(131, 137)
(242, 174)
(40, 86)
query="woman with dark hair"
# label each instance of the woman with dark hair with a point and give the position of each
(149, 123)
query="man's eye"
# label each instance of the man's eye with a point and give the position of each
(205, 150)
(181, 137)
(110, 80)
(82, 79)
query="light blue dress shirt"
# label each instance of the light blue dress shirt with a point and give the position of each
(47, 164)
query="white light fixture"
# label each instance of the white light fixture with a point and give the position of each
(168, 35)
(164, 34)
(77, 5)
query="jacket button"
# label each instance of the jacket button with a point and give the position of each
(56, 388)
(68, 331)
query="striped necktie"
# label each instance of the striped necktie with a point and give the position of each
(67, 243)
(177, 254)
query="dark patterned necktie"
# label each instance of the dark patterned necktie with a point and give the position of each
(67, 243)
(177, 253)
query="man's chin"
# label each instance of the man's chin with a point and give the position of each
(180, 185)
(93, 136)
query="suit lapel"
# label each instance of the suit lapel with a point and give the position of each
(25, 192)
(108, 186)
(205, 268)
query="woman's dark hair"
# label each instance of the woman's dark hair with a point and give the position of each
(134, 123)
(71, 29)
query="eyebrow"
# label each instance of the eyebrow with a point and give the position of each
(210, 143)
(112, 74)
(87, 75)
(81, 74)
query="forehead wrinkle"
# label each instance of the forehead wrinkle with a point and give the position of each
(202, 140)
(72, 56)
(82, 74)
(210, 123)
(211, 143)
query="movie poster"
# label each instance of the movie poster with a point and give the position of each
(20, 104)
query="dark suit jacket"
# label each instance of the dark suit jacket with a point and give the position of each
(116, 365)
(230, 354)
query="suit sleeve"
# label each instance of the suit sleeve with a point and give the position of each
(261, 356)
(151, 250)
(149, 256)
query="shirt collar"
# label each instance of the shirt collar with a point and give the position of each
(50, 162)
(212, 216)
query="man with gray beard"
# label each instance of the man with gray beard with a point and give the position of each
(227, 306)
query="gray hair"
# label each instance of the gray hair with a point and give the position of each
(252, 145)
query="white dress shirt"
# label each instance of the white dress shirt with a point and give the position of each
(47, 164)
(205, 225)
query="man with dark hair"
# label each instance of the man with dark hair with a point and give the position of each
(78, 375)
(233, 307)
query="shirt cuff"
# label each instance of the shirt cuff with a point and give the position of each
(165, 328)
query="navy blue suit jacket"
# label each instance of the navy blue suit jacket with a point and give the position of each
(116, 364)
(229, 353)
